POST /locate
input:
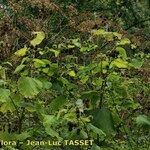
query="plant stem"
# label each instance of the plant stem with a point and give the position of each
(123, 125)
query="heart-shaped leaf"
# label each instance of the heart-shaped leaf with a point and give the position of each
(29, 87)
(40, 36)
(103, 120)
(4, 94)
(21, 52)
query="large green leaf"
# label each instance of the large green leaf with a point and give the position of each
(97, 81)
(4, 94)
(124, 41)
(122, 52)
(72, 73)
(57, 103)
(136, 63)
(120, 63)
(46, 84)
(7, 106)
(143, 120)
(95, 147)
(52, 132)
(99, 32)
(19, 68)
(96, 130)
(39, 63)
(29, 87)
(38, 39)
(21, 52)
(118, 35)
(49, 119)
(102, 119)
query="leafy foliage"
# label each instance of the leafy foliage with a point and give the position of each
(83, 75)
(29, 87)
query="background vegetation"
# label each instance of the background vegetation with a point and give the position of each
(75, 70)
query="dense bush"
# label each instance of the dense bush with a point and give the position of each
(76, 90)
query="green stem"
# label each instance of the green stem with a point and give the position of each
(123, 124)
